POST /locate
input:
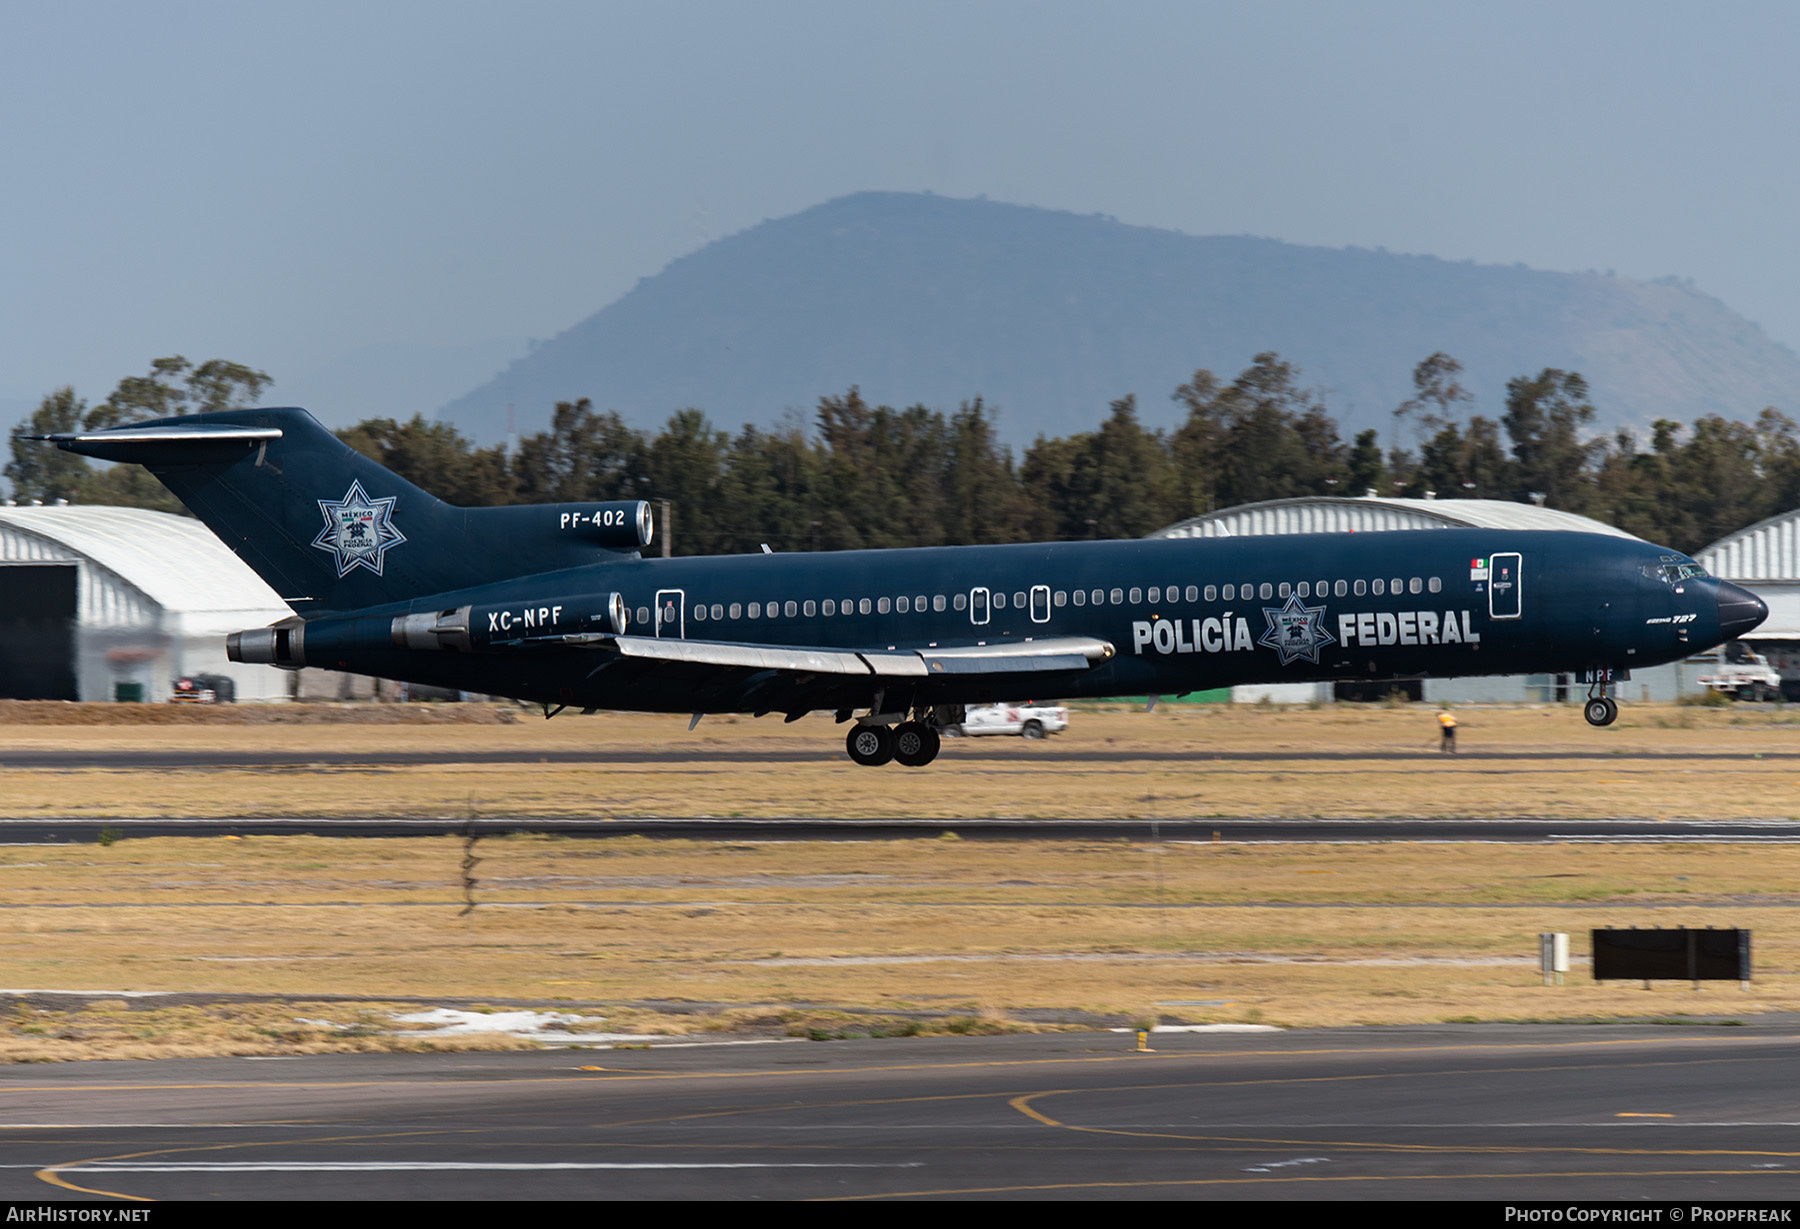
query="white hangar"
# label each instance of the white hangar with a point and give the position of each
(1765, 559)
(1369, 514)
(104, 603)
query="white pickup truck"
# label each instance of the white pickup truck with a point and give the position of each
(1026, 719)
(1744, 674)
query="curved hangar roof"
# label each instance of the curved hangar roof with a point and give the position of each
(1325, 514)
(177, 563)
(1767, 551)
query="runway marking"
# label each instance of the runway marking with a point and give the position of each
(1023, 1105)
(1018, 1103)
(839, 1128)
(306, 1123)
(53, 1173)
(1274, 1165)
(253, 1167)
(49, 1175)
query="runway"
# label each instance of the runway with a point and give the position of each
(35, 831)
(1690, 1113)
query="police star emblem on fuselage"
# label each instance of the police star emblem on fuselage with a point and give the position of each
(359, 531)
(1296, 631)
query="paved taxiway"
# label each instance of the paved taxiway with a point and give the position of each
(1463, 1112)
(978, 750)
(1529, 831)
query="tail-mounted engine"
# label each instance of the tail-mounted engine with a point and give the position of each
(494, 627)
(467, 629)
(623, 524)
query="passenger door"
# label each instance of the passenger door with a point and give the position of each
(1505, 594)
(978, 606)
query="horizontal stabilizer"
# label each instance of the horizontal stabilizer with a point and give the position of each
(163, 445)
(332, 531)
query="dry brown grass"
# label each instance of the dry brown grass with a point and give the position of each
(772, 934)
(113, 1029)
(63, 713)
(1603, 775)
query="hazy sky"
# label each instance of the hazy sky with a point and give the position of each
(288, 185)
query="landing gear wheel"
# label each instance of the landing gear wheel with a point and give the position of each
(915, 744)
(1601, 710)
(870, 745)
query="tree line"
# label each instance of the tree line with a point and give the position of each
(860, 475)
(45, 474)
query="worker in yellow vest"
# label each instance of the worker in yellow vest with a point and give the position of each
(1447, 723)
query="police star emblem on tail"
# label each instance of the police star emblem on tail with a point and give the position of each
(359, 531)
(1296, 631)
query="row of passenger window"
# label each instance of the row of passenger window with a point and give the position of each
(1340, 588)
(1137, 595)
(829, 607)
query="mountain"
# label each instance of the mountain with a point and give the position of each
(394, 381)
(1049, 316)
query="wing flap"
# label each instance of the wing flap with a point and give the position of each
(742, 656)
(1067, 653)
(895, 665)
(1041, 663)
(1088, 648)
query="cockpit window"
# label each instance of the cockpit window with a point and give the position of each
(1672, 570)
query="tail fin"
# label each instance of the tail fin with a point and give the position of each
(331, 530)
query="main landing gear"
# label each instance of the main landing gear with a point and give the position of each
(911, 743)
(870, 745)
(1601, 710)
(916, 744)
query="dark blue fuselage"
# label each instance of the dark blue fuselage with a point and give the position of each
(1183, 615)
(553, 603)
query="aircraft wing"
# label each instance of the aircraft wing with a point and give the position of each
(1006, 657)
(797, 678)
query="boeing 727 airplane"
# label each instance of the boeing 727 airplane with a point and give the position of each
(556, 603)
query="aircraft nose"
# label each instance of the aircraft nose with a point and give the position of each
(1739, 610)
